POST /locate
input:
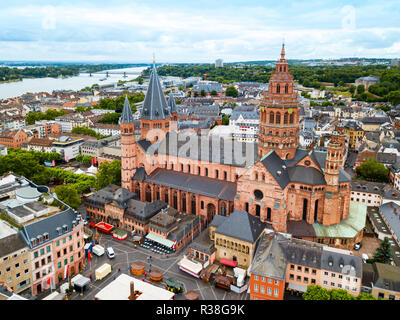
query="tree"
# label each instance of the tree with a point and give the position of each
(196, 94)
(393, 97)
(231, 92)
(203, 92)
(316, 292)
(110, 118)
(109, 173)
(365, 296)
(360, 89)
(340, 294)
(86, 131)
(352, 89)
(372, 170)
(383, 254)
(225, 120)
(214, 93)
(69, 195)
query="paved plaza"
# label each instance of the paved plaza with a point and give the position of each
(126, 253)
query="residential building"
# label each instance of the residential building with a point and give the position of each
(15, 263)
(55, 244)
(13, 139)
(381, 280)
(68, 147)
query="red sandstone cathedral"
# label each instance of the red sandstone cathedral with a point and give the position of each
(303, 193)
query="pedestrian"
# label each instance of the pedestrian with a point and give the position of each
(91, 277)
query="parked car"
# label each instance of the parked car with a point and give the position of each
(357, 246)
(98, 250)
(110, 253)
(84, 222)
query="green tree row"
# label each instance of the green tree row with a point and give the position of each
(316, 292)
(32, 116)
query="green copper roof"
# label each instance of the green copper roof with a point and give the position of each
(347, 228)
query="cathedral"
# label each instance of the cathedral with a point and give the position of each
(304, 193)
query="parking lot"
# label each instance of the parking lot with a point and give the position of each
(126, 254)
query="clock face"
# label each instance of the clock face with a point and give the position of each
(290, 111)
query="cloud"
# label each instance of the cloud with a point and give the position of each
(184, 32)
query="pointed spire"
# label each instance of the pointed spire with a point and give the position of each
(172, 103)
(154, 104)
(127, 116)
(283, 51)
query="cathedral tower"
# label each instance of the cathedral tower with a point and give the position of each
(128, 145)
(279, 114)
(155, 116)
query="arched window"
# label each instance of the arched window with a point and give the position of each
(285, 118)
(286, 88)
(278, 118)
(278, 88)
(291, 117)
(271, 117)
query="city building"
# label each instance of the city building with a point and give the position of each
(13, 139)
(55, 244)
(15, 263)
(367, 81)
(282, 263)
(272, 179)
(381, 280)
(68, 147)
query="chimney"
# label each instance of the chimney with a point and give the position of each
(132, 291)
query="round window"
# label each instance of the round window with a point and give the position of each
(307, 162)
(258, 194)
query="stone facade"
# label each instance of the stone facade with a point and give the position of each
(284, 183)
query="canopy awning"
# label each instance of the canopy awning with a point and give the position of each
(160, 240)
(297, 287)
(228, 262)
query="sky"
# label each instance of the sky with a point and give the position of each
(197, 31)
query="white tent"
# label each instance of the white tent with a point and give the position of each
(79, 171)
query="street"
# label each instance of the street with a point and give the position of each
(126, 254)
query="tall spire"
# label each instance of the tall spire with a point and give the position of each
(171, 103)
(127, 116)
(283, 51)
(155, 105)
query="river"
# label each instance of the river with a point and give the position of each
(15, 89)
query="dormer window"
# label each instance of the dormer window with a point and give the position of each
(33, 242)
(40, 238)
(58, 230)
(65, 228)
(46, 236)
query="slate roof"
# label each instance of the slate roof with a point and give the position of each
(48, 225)
(242, 225)
(247, 115)
(111, 193)
(269, 259)
(208, 148)
(341, 263)
(140, 174)
(307, 175)
(219, 189)
(387, 277)
(273, 163)
(11, 243)
(143, 210)
(127, 116)
(155, 105)
(391, 213)
(171, 103)
(303, 253)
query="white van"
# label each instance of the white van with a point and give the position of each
(98, 250)
(110, 253)
(365, 257)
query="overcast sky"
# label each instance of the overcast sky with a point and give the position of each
(181, 31)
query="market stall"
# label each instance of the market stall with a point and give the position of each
(80, 283)
(120, 234)
(104, 227)
(137, 268)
